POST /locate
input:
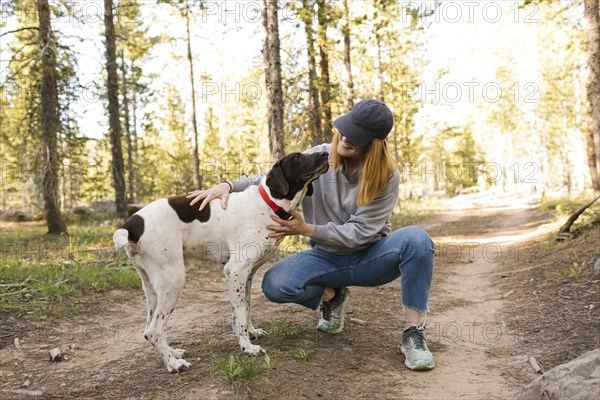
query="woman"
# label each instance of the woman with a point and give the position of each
(347, 221)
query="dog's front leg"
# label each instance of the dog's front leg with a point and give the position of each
(255, 333)
(237, 275)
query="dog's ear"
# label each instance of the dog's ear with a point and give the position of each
(276, 181)
(309, 191)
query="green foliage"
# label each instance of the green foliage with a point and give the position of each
(239, 370)
(289, 329)
(414, 211)
(565, 206)
(40, 271)
(300, 355)
(389, 44)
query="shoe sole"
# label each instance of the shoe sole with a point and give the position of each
(419, 366)
(341, 328)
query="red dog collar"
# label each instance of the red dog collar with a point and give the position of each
(281, 213)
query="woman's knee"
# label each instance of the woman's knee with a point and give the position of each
(271, 285)
(414, 238)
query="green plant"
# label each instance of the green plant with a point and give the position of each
(575, 270)
(289, 329)
(300, 355)
(239, 370)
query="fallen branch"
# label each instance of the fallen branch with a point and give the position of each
(565, 232)
(536, 367)
(18, 292)
(358, 321)
(7, 285)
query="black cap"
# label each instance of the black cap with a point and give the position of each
(368, 120)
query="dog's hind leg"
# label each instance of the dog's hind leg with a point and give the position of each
(167, 282)
(237, 275)
(150, 293)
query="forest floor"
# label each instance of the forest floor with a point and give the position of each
(502, 292)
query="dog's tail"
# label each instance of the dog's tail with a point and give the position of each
(121, 238)
(130, 232)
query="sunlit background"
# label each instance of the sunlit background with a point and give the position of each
(487, 95)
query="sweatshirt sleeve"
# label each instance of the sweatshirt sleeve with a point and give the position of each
(365, 224)
(244, 182)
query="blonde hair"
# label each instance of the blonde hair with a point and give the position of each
(377, 166)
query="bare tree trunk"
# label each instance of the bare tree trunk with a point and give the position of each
(378, 64)
(134, 138)
(196, 172)
(49, 121)
(273, 79)
(314, 112)
(130, 171)
(347, 59)
(322, 16)
(593, 92)
(112, 86)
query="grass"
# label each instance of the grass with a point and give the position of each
(37, 269)
(412, 212)
(565, 206)
(288, 329)
(239, 370)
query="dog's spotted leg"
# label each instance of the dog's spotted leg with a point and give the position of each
(150, 294)
(238, 274)
(168, 283)
(255, 333)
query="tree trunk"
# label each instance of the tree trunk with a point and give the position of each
(134, 137)
(273, 79)
(49, 121)
(378, 64)
(347, 59)
(196, 172)
(112, 86)
(314, 112)
(128, 141)
(593, 92)
(325, 85)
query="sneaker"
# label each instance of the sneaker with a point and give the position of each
(414, 347)
(333, 312)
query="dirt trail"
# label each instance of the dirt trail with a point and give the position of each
(473, 246)
(110, 358)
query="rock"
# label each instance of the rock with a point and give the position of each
(55, 354)
(576, 380)
(31, 393)
(14, 215)
(26, 384)
(82, 210)
(17, 343)
(134, 207)
(103, 205)
(597, 264)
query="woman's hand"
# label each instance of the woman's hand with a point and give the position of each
(221, 191)
(294, 226)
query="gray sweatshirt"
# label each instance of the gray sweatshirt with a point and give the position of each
(341, 227)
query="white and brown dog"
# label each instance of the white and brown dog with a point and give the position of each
(168, 234)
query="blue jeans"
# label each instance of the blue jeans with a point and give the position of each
(408, 253)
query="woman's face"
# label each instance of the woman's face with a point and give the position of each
(347, 149)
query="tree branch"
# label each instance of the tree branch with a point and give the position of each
(27, 28)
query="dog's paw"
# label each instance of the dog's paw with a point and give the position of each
(252, 350)
(257, 333)
(177, 365)
(178, 353)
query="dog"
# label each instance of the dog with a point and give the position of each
(168, 234)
